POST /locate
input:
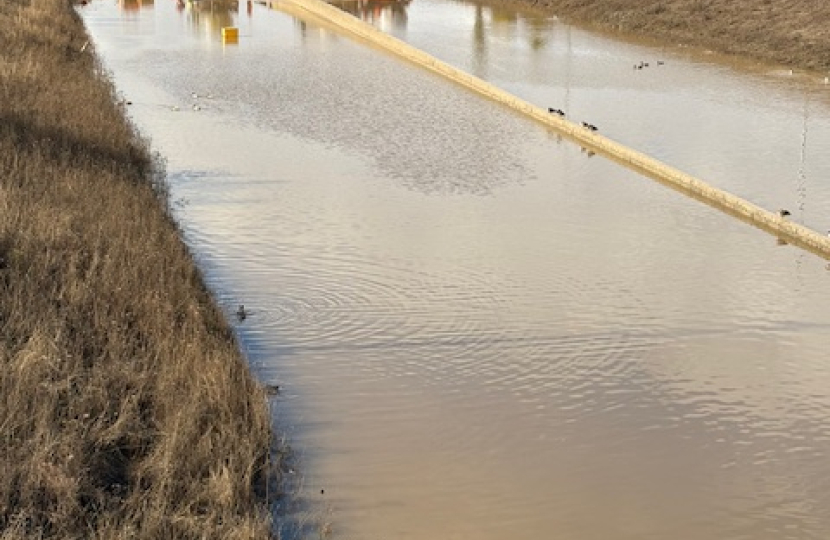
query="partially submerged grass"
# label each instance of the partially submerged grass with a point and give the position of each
(126, 408)
(795, 33)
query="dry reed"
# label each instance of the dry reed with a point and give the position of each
(126, 408)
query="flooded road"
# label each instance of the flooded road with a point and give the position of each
(482, 331)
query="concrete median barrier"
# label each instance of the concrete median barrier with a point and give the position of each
(771, 222)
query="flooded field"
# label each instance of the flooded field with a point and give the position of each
(480, 330)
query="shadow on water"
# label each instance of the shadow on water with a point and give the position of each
(298, 514)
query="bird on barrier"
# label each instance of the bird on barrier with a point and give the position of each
(783, 212)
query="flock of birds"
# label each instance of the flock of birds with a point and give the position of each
(592, 127)
(560, 112)
(643, 65)
(782, 212)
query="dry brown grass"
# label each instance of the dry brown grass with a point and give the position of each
(790, 32)
(126, 409)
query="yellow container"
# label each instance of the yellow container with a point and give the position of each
(230, 33)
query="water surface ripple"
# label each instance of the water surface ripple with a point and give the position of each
(480, 330)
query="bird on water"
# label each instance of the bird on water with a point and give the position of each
(241, 314)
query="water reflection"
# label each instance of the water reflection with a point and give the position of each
(388, 15)
(490, 23)
(210, 16)
(480, 59)
(483, 333)
(135, 5)
(801, 183)
(505, 24)
(207, 17)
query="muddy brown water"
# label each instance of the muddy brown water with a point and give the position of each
(480, 330)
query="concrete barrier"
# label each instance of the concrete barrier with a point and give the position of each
(770, 222)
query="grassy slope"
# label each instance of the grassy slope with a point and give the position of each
(791, 32)
(126, 409)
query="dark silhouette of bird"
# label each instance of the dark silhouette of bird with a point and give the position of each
(783, 212)
(241, 314)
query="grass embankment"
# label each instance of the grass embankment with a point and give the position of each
(795, 33)
(126, 409)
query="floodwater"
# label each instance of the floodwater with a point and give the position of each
(482, 331)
